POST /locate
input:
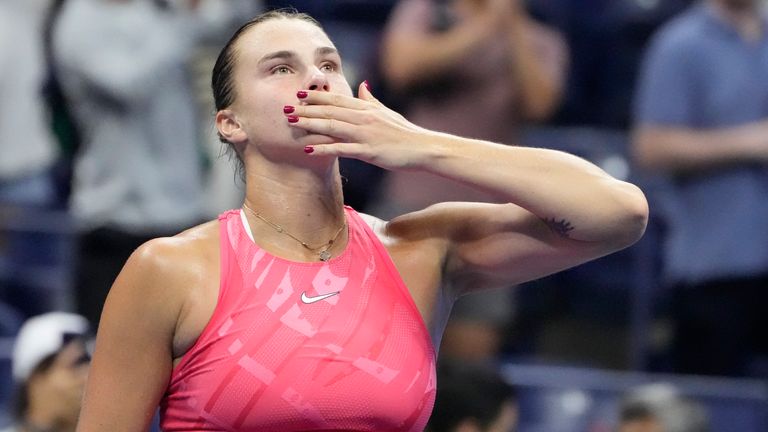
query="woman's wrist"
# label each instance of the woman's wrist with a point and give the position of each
(432, 148)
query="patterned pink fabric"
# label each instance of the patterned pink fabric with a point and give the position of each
(298, 346)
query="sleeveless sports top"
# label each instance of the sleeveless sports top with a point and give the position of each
(295, 346)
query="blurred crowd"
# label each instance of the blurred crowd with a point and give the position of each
(107, 141)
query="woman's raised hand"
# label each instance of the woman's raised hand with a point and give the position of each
(365, 128)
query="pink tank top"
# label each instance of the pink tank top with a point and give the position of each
(293, 346)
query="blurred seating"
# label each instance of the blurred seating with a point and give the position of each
(10, 322)
(36, 259)
(6, 382)
(361, 11)
(564, 399)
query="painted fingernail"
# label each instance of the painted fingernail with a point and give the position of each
(288, 109)
(367, 85)
(309, 149)
(301, 94)
(293, 119)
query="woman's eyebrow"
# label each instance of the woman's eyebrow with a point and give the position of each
(289, 55)
(322, 51)
(285, 55)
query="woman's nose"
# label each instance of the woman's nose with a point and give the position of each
(318, 81)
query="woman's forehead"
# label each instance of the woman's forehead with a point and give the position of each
(282, 34)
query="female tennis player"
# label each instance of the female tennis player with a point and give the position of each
(297, 313)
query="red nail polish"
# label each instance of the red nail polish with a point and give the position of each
(367, 85)
(288, 109)
(301, 94)
(293, 119)
(309, 149)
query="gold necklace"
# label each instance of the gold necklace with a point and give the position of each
(324, 254)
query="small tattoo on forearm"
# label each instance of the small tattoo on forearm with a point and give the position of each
(561, 227)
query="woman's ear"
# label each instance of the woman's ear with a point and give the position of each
(229, 127)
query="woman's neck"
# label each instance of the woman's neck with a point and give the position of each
(306, 203)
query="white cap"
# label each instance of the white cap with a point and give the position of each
(41, 336)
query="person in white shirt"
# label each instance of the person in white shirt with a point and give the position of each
(124, 68)
(26, 143)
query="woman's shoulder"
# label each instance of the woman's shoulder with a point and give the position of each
(430, 223)
(376, 224)
(177, 258)
(432, 220)
(162, 274)
(189, 244)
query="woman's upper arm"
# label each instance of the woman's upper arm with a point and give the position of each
(494, 244)
(133, 357)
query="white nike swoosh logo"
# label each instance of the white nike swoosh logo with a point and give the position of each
(309, 300)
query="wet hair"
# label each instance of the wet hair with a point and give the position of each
(222, 79)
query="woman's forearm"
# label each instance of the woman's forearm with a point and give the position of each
(575, 197)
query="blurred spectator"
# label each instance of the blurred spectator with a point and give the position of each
(50, 367)
(28, 154)
(659, 408)
(26, 143)
(124, 67)
(476, 69)
(702, 117)
(471, 398)
(607, 39)
(472, 67)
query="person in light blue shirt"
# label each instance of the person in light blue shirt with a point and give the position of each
(701, 116)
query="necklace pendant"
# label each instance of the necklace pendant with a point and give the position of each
(325, 255)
